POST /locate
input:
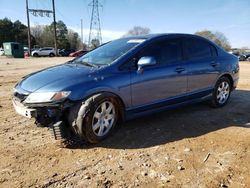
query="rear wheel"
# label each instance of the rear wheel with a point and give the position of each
(52, 55)
(221, 92)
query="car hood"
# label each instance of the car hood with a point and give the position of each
(57, 74)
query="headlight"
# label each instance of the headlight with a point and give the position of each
(47, 97)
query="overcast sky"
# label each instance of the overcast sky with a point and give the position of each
(231, 17)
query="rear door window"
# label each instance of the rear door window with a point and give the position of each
(197, 49)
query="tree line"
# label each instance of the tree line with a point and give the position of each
(41, 35)
(14, 32)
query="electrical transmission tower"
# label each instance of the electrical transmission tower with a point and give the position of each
(95, 35)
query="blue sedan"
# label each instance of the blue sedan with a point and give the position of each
(124, 79)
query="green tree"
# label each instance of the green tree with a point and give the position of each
(217, 37)
(21, 33)
(6, 31)
(14, 32)
(62, 31)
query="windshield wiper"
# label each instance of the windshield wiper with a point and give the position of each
(88, 64)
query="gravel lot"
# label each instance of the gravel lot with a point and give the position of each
(195, 146)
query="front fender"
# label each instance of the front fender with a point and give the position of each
(118, 85)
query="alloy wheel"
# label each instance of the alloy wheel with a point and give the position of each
(103, 118)
(223, 92)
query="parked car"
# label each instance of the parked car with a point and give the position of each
(66, 52)
(247, 55)
(248, 59)
(125, 79)
(242, 57)
(48, 51)
(78, 53)
(1, 51)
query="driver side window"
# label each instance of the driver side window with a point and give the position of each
(165, 52)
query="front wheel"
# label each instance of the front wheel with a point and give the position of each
(96, 117)
(35, 55)
(221, 92)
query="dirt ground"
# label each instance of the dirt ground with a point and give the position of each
(195, 146)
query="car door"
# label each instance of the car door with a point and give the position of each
(165, 80)
(43, 52)
(202, 66)
(47, 51)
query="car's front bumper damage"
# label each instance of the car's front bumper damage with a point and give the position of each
(52, 115)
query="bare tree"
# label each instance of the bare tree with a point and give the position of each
(217, 37)
(138, 30)
(74, 40)
(67, 38)
(37, 32)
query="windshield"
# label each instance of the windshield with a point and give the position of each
(106, 54)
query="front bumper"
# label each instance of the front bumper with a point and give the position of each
(44, 114)
(53, 115)
(24, 111)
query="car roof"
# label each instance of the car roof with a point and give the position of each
(151, 36)
(162, 35)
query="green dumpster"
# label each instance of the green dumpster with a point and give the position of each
(13, 49)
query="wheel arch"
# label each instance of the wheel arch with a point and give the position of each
(78, 112)
(229, 76)
(121, 104)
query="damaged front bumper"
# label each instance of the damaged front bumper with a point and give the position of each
(24, 111)
(44, 114)
(52, 115)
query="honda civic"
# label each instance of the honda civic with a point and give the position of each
(124, 79)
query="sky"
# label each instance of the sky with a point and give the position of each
(231, 17)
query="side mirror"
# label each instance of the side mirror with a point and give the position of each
(144, 62)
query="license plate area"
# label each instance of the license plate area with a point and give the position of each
(22, 110)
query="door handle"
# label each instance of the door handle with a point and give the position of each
(214, 64)
(179, 69)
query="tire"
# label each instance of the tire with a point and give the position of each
(35, 55)
(84, 117)
(52, 55)
(221, 93)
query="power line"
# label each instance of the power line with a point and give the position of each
(41, 13)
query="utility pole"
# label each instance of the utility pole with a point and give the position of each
(55, 35)
(81, 33)
(95, 25)
(41, 13)
(28, 20)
